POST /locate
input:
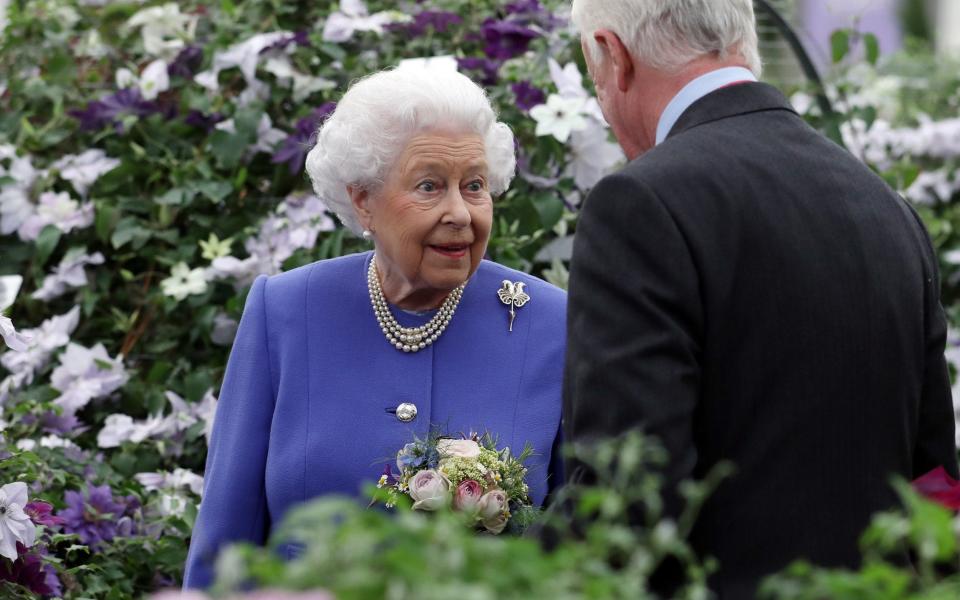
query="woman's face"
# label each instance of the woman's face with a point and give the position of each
(431, 217)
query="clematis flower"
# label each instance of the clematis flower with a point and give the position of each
(294, 149)
(353, 17)
(187, 63)
(41, 513)
(59, 210)
(16, 341)
(184, 281)
(153, 81)
(96, 516)
(110, 109)
(506, 39)
(83, 170)
(179, 479)
(32, 572)
(164, 29)
(437, 20)
(303, 85)
(244, 55)
(559, 117)
(85, 374)
(197, 119)
(527, 95)
(69, 273)
(224, 329)
(15, 204)
(486, 68)
(569, 82)
(52, 334)
(593, 155)
(267, 135)
(940, 487)
(15, 525)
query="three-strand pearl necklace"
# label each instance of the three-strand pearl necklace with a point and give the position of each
(409, 339)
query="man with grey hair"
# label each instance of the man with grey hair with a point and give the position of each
(747, 291)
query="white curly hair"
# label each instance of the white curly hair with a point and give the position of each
(358, 144)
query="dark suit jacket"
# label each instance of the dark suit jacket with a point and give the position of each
(749, 291)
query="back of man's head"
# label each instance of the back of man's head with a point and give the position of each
(668, 34)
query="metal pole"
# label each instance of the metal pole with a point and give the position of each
(809, 70)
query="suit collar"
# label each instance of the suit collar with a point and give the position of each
(731, 101)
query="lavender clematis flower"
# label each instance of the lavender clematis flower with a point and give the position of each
(294, 149)
(527, 95)
(52, 334)
(506, 39)
(97, 517)
(61, 424)
(244, 55)
(488, 69)
(85, 374)
(15, 525)
(15, 204)
(83, 170)
(110, 109)
(353, 17)
(68, 274)
(59, 210)
(15, 340)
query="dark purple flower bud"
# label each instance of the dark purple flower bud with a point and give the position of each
(527, 95)
(197, 119)
(485, 67)
(187, 63)
(293, 150)
(41, 513)
(506, 39)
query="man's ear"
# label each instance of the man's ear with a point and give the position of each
(613, 50)
(360, 198)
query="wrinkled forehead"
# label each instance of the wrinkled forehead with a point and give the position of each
(452, 151)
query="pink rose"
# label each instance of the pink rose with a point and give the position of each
(467, 496)
(494, 512)
(430, 490)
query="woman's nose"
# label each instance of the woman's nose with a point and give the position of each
(456, 212)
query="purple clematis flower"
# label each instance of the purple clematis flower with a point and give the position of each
(31, 572)
(41, 513)
(197, 119)
(527, 95)
(506, 39)
(295, 146)
(438, 20)
(109, 109)
(486, 67)
(523, 7)
(62, 425)
(187, 63)
(97, 517)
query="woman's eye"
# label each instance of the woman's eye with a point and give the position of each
(475, 186)
(427, 186)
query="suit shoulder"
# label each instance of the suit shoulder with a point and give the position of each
(286, 291)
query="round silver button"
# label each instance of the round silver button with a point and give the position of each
(407, 412)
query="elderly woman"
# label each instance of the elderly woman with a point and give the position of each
(338, 364)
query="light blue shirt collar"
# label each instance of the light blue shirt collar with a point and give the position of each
(696, 89)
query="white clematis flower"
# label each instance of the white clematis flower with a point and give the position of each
(16, 341)
(559, 117)
(68, 274)
(165, 29)
(593, 155)
(15, 525)
(85, 374)
(184, 282)
(83, 169)
(244, 55)
(352, 17)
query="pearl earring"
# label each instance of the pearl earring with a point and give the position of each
(367, 235)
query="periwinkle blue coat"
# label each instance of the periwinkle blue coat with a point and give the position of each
(304, 406)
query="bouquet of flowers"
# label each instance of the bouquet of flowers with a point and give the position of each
(469, 475)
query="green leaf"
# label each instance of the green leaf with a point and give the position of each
(840, 44)
(872, 47)
(46, 243)
(129, 231)
(106, 218)
(549, 207)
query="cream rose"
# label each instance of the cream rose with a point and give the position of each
(494, 512)
(458, 449)
(430, 490)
